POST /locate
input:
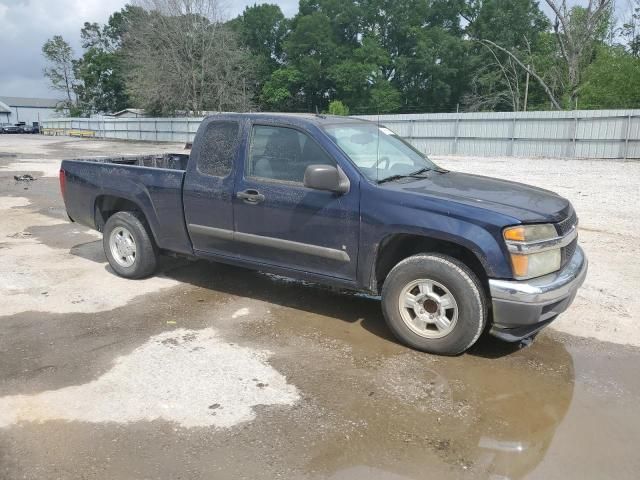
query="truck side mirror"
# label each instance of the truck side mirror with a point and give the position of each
(326, 177)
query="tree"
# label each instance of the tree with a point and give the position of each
(103, 85)
(612, 80)
(311, 48)
(378, 54)
(262, 29)
(578, 31)
(336, 107)
(631, 30)
(282, 90)
(498, 82)
(182, 58)
(426, 51)
(59, 54)
(101, 69)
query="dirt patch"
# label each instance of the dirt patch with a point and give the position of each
(38, 277)
(174, 376)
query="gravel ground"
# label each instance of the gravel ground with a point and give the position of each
(606, 195)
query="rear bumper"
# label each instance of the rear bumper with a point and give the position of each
(522, 308)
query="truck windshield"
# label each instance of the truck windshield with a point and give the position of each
(378, 152)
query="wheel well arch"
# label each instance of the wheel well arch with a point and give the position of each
(107, 205)
(395, 248)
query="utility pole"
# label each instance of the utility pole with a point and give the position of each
(526, 90)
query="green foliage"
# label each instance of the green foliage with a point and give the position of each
(376, 56)
(59, 56)
(631, 30)
(103, 84)
(279, 91)
(336, 107)
(385, 98)
(262, 29)
(612, 80)
(498, 83)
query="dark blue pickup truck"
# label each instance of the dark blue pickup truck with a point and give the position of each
(348, 203)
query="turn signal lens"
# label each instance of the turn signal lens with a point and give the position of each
(520, 265)
(515, 234)
(530, 233)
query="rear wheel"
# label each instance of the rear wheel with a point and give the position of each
(128, 246)
(434, 303)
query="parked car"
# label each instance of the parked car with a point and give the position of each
(29, 129)
(347, 203)
(11, 129)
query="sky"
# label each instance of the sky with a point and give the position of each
(26, 24)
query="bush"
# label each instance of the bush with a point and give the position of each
(338, 108)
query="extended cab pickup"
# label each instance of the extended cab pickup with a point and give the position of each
(348, 203)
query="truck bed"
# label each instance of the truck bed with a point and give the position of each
(152, 182)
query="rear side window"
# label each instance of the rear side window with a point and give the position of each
(218, 148)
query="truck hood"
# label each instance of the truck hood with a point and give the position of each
(523, 202)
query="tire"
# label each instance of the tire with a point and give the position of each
(440, 324)
(137, 255)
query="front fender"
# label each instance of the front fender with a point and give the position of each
(475, 229)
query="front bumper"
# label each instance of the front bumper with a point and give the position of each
(522, 308)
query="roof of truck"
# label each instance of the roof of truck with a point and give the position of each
(295, 118)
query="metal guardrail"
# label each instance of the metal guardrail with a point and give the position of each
(577, 134)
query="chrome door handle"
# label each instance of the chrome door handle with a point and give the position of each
(252, 197)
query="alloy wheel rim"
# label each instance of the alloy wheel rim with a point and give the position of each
(428, 308)
(123, 247)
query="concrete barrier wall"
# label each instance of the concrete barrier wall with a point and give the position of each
(577, 134)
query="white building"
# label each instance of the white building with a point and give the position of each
(5, 113)
(28, 110)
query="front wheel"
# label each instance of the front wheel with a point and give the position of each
(128, 246)
(434, 303)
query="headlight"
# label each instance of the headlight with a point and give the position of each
(535, 250)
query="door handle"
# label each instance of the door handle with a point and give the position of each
(252, 197)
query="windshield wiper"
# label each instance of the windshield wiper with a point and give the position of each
(392, 178)
(422, 170)
(406, 175)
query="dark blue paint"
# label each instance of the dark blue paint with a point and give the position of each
(464, 209)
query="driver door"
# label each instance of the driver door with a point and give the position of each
(279, 221)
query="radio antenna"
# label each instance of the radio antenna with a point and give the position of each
(378, 148)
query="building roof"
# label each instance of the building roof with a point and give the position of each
(4, 108)
(136, 111)
(30, 102)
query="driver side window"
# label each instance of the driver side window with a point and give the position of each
(283, 154)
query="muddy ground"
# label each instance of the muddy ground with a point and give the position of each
(209, 371)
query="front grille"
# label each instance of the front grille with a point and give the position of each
(563, 228)
(568, 251)
(567, 224)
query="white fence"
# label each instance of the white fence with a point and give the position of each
(141, 128)
(579, 134)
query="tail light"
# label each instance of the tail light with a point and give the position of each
(63, 182)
